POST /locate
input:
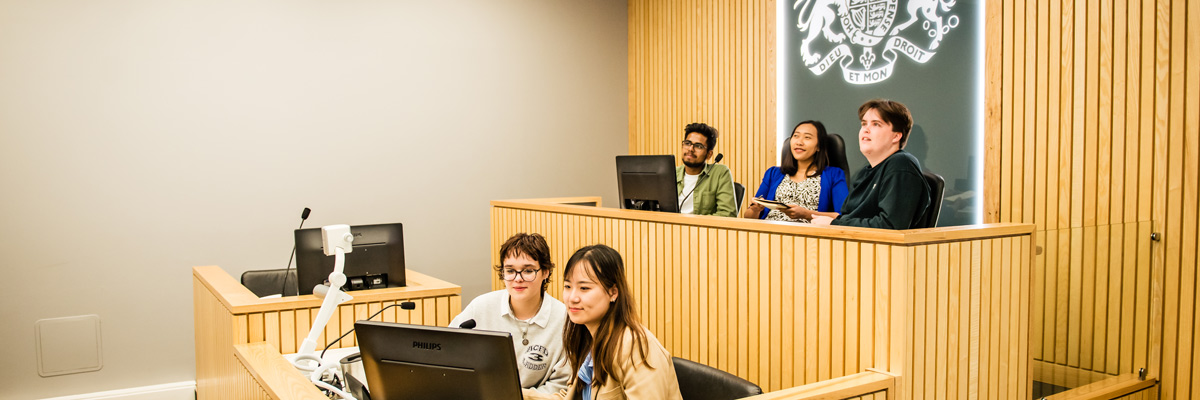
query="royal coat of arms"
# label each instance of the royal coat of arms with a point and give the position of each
(865, 24)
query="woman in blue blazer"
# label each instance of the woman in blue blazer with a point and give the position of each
(804, 181)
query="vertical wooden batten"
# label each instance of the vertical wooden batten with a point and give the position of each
(705, 61)
(1115, 149)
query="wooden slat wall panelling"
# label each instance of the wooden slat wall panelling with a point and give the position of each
(1016, 124)
(1159, 28)
(1167, 100)
(1147, 124)
(1066, 121)
(703, 61)
(1005, 171)
(992, 111)
(1100, 152)
(1078, 112)
(1038, 126)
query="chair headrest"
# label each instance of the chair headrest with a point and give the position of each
(701, 382)
(937, 190)
(837, 153)
(270, 281)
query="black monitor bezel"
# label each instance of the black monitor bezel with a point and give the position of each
(649, 178)
(313, 266)
(393, 352)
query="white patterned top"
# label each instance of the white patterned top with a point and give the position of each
(806, 194)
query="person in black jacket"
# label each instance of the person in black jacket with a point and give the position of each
(890, 193)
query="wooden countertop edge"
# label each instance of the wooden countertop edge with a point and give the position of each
(899, 237)
(239, 300)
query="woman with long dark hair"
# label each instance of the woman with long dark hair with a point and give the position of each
(804, 181)
(614, 356)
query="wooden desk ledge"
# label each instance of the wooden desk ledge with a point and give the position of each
(565, 200)
(1111, 388)
(562, 205)
(238, 299)
(848, 386)
(275, 375)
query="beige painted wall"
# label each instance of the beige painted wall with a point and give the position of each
(141, 138)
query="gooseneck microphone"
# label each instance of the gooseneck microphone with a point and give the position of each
(715, 160)
(468, 324)
(303, 216)
(406, 305)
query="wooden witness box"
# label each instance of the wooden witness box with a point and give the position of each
(239, 337)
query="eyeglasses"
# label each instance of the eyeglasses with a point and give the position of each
(697, 146)
(526, 274)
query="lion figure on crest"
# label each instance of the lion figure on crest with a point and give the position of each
(928, 9)
(817, 16)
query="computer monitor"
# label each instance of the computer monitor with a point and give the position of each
(430, 362)
(376, 261)
(647, 183)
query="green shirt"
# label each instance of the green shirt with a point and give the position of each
(714, 191)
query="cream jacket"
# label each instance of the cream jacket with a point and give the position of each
(632, 379)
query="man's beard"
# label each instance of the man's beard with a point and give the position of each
(695, 164)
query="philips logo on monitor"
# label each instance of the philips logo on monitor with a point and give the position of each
(866, 23)
(427, 346)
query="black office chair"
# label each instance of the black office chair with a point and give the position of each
(739, 194)
(701, 382)
(267, 282)
(837, 154)
(937, 190)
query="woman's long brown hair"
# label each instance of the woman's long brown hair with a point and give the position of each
(603, 265)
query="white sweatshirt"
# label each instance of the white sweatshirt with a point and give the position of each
(543, 362)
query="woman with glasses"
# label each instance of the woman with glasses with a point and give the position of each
(804, 184)
(522, 309)
(615, 355)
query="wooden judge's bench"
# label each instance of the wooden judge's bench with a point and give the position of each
(810, 312)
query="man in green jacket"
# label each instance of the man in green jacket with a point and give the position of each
(704, 189)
